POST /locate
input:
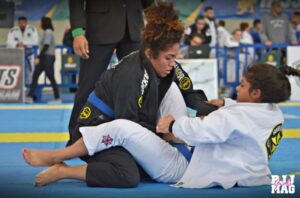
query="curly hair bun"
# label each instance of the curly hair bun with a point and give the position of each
(161, 14)
(163, 25)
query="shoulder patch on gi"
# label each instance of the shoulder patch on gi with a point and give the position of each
(185, 83)
(274, 139)
(85, 113)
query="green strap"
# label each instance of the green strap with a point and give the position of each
(77, 32)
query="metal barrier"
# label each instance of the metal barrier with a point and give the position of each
(240, 58)
(237, 58)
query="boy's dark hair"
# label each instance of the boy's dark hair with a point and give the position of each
(22, 18)
(256, 21)
(46, 23)
(273, 83)
(222, 23)
(208, 8)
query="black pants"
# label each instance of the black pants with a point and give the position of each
(46, 64)
(113, 168)
(92, 68)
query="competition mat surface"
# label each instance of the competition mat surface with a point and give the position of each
(45, 127)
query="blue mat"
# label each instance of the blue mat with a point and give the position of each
(16, 177)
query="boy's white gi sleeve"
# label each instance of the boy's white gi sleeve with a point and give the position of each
(214, 128)
(229, 101)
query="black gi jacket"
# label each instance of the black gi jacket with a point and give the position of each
(133, 91)
(121, 88)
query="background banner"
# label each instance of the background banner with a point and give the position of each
(11, 76)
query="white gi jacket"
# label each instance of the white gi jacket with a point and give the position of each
(230, 145)
(29, 38)
(223, 34)
(214, 32)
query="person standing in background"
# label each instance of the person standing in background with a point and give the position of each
(223, 33)
(200, 27)
(247, 39)
(98, 28)
(276, 27)
(24, 36)
(295, 22)
(45, 60)
(255, 31)
(209, 15)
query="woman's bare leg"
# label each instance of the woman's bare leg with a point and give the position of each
(58, 172)
(49, 157)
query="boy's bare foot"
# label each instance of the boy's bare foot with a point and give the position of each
(39, 158)
(50, 175)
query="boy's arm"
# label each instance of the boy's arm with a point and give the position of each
(214, 128)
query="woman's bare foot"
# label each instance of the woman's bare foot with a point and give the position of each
(39, 158)
(50, 175)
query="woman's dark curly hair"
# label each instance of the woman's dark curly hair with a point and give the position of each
(273, 83)
(163, 27)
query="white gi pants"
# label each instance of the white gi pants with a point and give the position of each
(163, 162)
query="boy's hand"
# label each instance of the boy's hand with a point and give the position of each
(217, 102)
(163, 124)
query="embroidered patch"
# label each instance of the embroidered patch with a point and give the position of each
(144, 85)
(274, 139)
(185, 83)
(107, 140)
(140, 101)
(85, 113)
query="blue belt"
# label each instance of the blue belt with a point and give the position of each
(183, 150)
(99, 104)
